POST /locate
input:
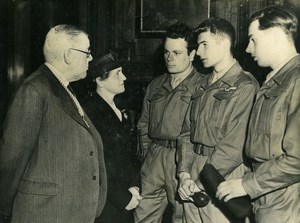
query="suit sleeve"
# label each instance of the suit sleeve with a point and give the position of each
(229, 151)
(284, 170)
(20, 132)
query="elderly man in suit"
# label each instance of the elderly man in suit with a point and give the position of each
(51, 156)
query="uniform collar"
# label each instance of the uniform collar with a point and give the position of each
(184, 85)
(279, 77)
(229, 78)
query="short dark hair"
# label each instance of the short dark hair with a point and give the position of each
(219, 27)
(276, 16)
(180, 30)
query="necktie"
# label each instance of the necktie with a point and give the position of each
(76, 102)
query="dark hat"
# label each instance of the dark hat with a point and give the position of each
(103, 65)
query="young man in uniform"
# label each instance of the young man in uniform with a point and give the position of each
(165, 106)
(273, 138)
(215, 130)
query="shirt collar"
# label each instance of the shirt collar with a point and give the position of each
(273, 72)
(183, 75)
(58, 74)
(229, 78)
(216, 76)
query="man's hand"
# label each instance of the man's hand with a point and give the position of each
(135, 199)
(230, 189)
(187, 187)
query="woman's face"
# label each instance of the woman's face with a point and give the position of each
(115, 81)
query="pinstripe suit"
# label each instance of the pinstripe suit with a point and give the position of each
(51, 163)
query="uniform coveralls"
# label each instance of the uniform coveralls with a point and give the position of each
(274, 145)
(215, 133)
(161, 121)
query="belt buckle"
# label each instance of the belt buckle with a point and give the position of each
(170, 144)
(199, 149)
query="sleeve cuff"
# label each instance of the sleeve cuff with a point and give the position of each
(251, 185)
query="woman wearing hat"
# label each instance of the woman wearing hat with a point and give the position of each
(114, 127)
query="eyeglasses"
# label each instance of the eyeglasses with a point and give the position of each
(88, 54)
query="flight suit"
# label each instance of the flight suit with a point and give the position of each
(163, 114)
(274, 145)
(215, 133)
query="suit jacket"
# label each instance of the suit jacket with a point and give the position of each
(119, 151)
(51, 163)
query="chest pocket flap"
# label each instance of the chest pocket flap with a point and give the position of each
(198, 94)
(186, 97)
(156, 97)
(274, 93)
(224, 95)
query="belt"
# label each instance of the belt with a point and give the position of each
(165, 142)
(203, 150)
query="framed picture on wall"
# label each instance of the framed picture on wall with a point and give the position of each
(154, 16)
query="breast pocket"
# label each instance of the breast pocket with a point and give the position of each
(179, 107)
(157, 105)
(222, 105)
(271, 113)
(196, 106)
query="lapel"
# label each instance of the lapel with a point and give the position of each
(280, 81)
(225, 84)
(166, 86)
(105, 109)
(63, 98)
(227, 81)
(284, 71)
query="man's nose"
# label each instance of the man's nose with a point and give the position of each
(249, 48)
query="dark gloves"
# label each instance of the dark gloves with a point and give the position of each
(240, 207)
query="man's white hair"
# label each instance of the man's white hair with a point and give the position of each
(58, 39)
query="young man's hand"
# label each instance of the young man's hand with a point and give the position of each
(230, 189)
(187, 186)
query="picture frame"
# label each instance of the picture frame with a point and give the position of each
(154, 16)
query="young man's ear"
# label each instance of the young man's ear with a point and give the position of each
(226, 45)
(67, 55)
(192, 55)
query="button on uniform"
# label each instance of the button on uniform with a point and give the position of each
(91, 153)
(94, 177)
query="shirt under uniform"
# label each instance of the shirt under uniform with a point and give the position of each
(274, 145)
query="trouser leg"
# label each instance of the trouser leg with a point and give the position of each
(191, 213)
(172, 186)
(279, 206)
(154, 202)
